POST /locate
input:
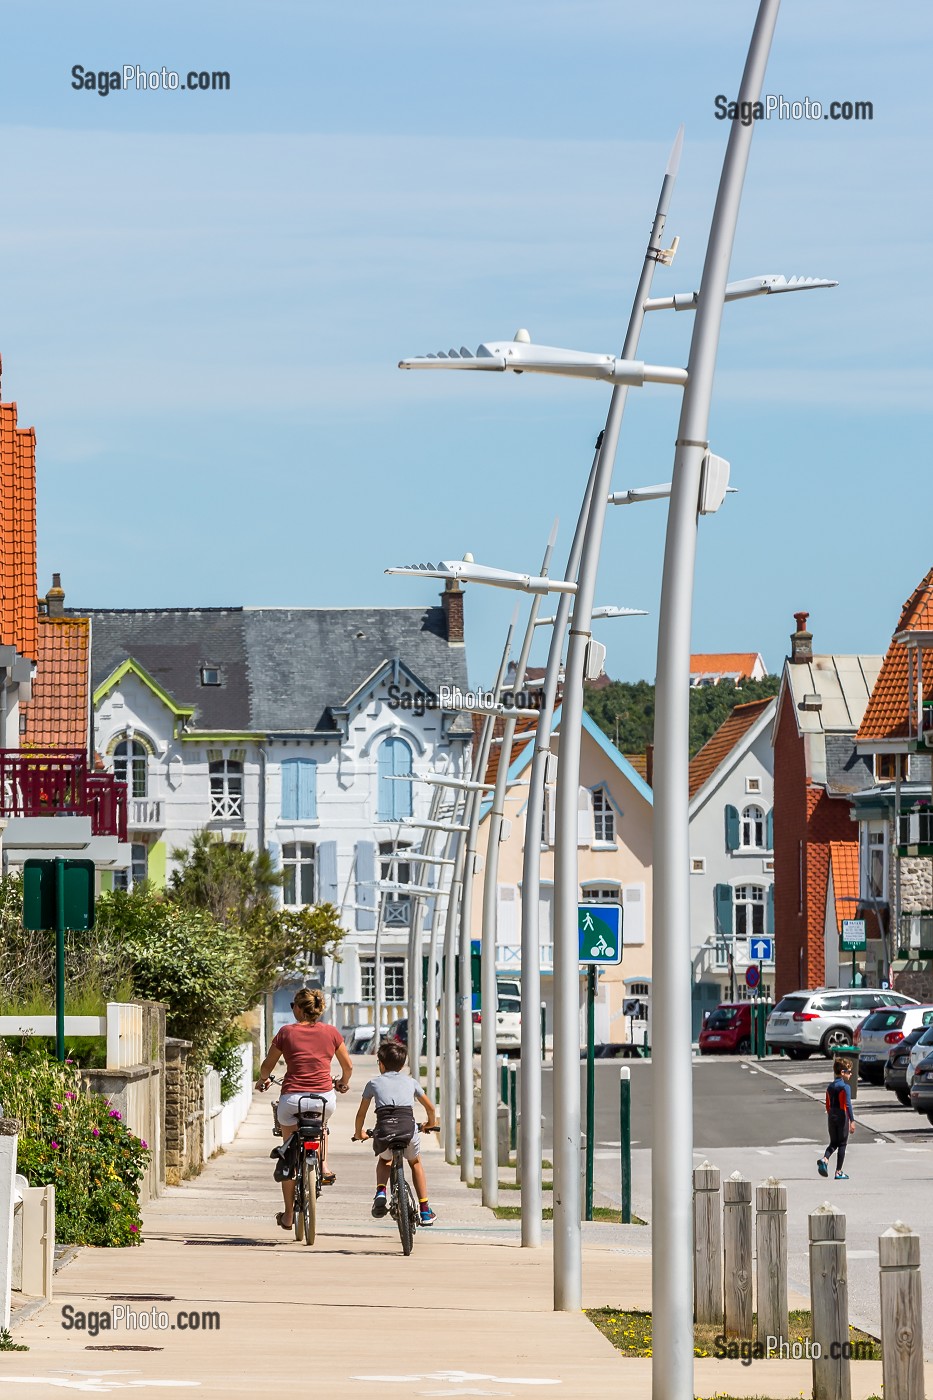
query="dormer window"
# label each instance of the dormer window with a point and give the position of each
(210, 675)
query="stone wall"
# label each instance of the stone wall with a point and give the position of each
(184, 1113)
(916, 882)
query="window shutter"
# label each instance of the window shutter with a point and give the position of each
(769, 913)
(633, 916)
(732, 829)
(769, 830)
(584, 817)
(366, 886)
(386, 807)
(290, 790)
(307, 790)
(724, 910)
(327, 872)
(507, 922)
(401, 804)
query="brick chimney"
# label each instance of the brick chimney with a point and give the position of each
(452, 603)
(801, 641)
(55, 598)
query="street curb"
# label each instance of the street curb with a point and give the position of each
(817, 1098)
(27, 1310)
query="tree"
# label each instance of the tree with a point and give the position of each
(624, 710)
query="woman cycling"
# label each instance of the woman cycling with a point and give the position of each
(307, 1047)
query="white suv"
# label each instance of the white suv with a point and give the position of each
(825, 1019)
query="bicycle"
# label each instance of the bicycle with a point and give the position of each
(309, 1165)
(402, 1205)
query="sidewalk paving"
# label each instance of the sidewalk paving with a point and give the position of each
(468, 1314)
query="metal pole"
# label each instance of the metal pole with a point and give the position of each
(672, 1292)
(467, 1150)
(437, 992)
(489, 1138)
(625, 1140)
(448, 1027)
(377, 976)
(590, 1084)
(568, 1273)
(60, 959)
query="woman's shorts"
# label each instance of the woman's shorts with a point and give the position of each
(287, 1108)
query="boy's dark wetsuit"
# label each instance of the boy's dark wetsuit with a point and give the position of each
(839, 1113)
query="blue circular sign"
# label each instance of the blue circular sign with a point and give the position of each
(752, 976)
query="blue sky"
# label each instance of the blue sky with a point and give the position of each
(205, 296)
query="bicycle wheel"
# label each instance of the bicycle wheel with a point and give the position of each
(299, 1219)
(309, 1186)
(403, 1205)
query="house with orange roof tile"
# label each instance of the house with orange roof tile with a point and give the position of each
(894, 813)
(818, 768)
(709, 668)
(732, 859)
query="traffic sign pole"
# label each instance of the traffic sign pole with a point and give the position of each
(60, 959)
(590, 1084)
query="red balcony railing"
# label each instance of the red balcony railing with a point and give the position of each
(52, 782)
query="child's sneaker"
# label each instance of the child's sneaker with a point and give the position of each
(842, 1176)
(821, 1166)
(427, 1216)
(380, 1206)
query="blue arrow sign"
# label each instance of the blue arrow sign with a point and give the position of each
(600, 929)
(763, 949)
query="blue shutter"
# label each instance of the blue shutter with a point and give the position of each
(290, 790)
(732, 829)
(402, 768)
(366, 886)
(769, 830)
(307, 790)
(386, 805)
(724, 915)
(769, 913)
(327, 873)
(275, 856)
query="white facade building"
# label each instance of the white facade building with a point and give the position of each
(286, 729)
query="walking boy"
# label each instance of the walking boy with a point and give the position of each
(841, 1121)
(394, 1095)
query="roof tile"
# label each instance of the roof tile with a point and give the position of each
(889, 705)
(721, 744)
(58, 712)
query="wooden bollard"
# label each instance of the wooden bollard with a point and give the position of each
(737, 1254)
(829, 1305)
(771, 1261)
(707, 1245)
(901, 1316)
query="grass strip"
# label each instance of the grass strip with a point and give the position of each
(629, 1331)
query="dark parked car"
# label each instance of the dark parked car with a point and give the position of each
(921, 1088)
(399, 1031)
(728, 1030)
(895, 1069)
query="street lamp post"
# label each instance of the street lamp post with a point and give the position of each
(672, 1262)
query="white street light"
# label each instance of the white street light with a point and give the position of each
(523, 357)
(433, 826)
(599, 614)
(466, 571)
(739, 291)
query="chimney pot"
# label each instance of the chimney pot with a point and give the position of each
(55, 598)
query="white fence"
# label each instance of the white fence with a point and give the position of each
(222, 1121)
(122, 1026)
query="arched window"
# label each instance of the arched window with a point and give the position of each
(395, 801)
(753, 828)
(131, 766)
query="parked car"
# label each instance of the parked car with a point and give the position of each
(823, 1019)
(880, 1030)
(477, 1028)
(399, 1031)
(897, 1064)
(728, 1030)
(360, 1040)
(921, 1089)
(921, 1047)
(508, 1022)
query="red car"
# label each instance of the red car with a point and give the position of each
(728, 1030)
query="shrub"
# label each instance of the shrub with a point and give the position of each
(73, 1140)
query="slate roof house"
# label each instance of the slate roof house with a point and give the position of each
(285, 728)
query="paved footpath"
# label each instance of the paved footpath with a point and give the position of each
(468, 1314)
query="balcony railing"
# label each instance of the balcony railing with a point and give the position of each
(145, 814)
(915, 830)
(58, 783)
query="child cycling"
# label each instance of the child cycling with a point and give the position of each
(393, 1090)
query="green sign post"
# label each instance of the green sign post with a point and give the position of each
(58, 894)
(599, 929)
(854, 940)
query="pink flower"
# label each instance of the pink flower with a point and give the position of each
(69, 1062)
(55, 1144)
(95, 1132)
(134, 1229)
(69, 1096)
(115, 1114)
(143, 1143)
(56, 1105)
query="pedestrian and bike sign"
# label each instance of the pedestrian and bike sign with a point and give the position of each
(853, 936)
(600, 929)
